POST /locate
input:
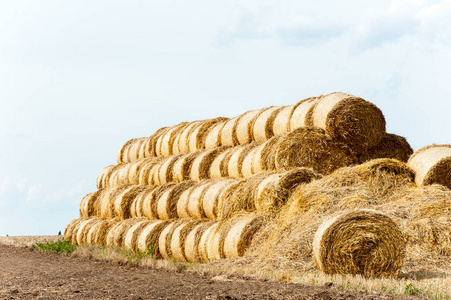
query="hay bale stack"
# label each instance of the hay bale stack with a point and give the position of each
(181, 168)
(432, 164)
(166, 141)
(228, 133)
(391, 146)
(262, 129)
(350, 119)
(312, 148)
(302, 113)
(121, 230)
(240, 233)
(235, 162)
(192, 241)
(202, 247)
(218, 168)
(101, 178)
(198, 137)
(282, 121)
(123, 201)
(132, 234)
(210, 197)
(148, 238)
(181, 142)
(245, 125)
(69, 230)
(167, 201)
(194, 206)
(265, 155)
(178, 239)
(213, 138)
(200, 168)
(365, 242)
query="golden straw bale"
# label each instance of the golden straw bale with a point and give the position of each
(245, 125)
(122, 155)
(102, 230)
(349, 119)
(100, 180)
(199, 135)
(165, 173)
(181, 143)
(165, 141)
(150, 201)
(391, 146)
(247, 164)
(91, 234)
(216, 168)
(215, 244)
(77, 225)
(235, 162)
(69, 230)
(143, 148)
(239, 235)
(144, 171)
(84, 228)
(182, 166)
(167, 202)
(124, 200)
(109, 178)
(192, 241)
(194, 205)
(432, 164)
(182, 203)
(262, 129)
(122, 229)
(148, 238)
(105, 201)
(282, 121)
(299, 116)
(228, 133)
(83, 208)
(109, 239)
(164, 240)
(200, 168)
(365, 242)
(134, 148)
(210, 197)
(178, 239)
(135, 169)
(154, 174)
(131, 234)
(265, 155)
(225, 200)
(213, 138)
(151, 146)
(136, 208)
(312, 148)
(202, 247)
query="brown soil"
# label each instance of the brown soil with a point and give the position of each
(28, 274)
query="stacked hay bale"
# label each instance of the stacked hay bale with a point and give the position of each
(207, 190)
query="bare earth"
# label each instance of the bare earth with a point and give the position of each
(28, 274)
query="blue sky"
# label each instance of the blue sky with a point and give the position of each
(79, 78)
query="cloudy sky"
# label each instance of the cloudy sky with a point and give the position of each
(80, 78)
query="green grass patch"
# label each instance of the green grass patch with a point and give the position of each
(61, 246)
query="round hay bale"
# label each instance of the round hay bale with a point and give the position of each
(164, 240)
(105, 200)
(154, 175)
(215, 244)
(182, 140)
(200, 168)
(73, 236)
(202, 247)
(110, 178)
(84, 228)
(136, 208)
(301, 111)
(213, 138)
(384, 166)
(134, 148)
(182, 203)
(167, 202)
(143, 148)
(265, 155)
(124, 200)
(148, 238)
(247, 169)
(122, 229)
(432, 164)
(192, 240)
(166, 141)
(69, 230)
(236, 160)
(194, 205)
(391, 146)
(132, 234)
(89, 205)
(356, 122)
(165, 173)
(178, 239)
(265, 195)
(312, 148)
(91, 233)
(210, 197)
(245, 125)
(198, 136)
(365, 242)
(122, 155)
(239, 236)
(134, 171)
(225, 201)
(218, 168)
(120, 175)
(100, 180)
(181, 168)
(228, 133)
(109, 239)
(282, 121)
(151, 146)
(102, 230)
(144, 171)
(150, 202)
(262, 129)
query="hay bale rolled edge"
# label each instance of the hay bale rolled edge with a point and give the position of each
(245, 125)
(213, 138)
(178, 239)
(228, 132)
(301, 111)
(198, 136)
(262, 129)
(239, 236)
(167, 201)
(148, 238)
(391, 146)
(281, 123)
(191, 246)
(211, 197)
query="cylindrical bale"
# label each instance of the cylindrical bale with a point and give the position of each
(151, 146)
(144, 172)
(200, 168)
(73, 236)
(262, 130)
(247, 169)
(356, 122)
(90, 237)
(301, 112)
(211, 197)
(164, 240)
(432, 164)
(100, 180)
(235, 163)
(120, 175)
(182, 203)
(89, 204)
(154, 175)
(191, 247)
(106, 201)
(150, 201)
(195, 199)
(165, 171)
(84, 228)
(312, 148)
(121, 230)
(199, 135)
(133, 150)
(167, 202)
(102, 230)
(143, 147)
(182, 167)
(132, 234)
(215, 244)
(365, 242)
(225, 199)
(265, 155)
(124, 200)
(148, 238)
(69, 230)
(245, 125)
(391, 146)
(110, 178)
(179, 237)
(135, 169)
(136, 208)
(282, 121)
(122, 155)
(202, 249)
(218, 168)
(182, 140)
(228, 133)
(240, 235)
(166, 141)
(213, 138)
(109, 240)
